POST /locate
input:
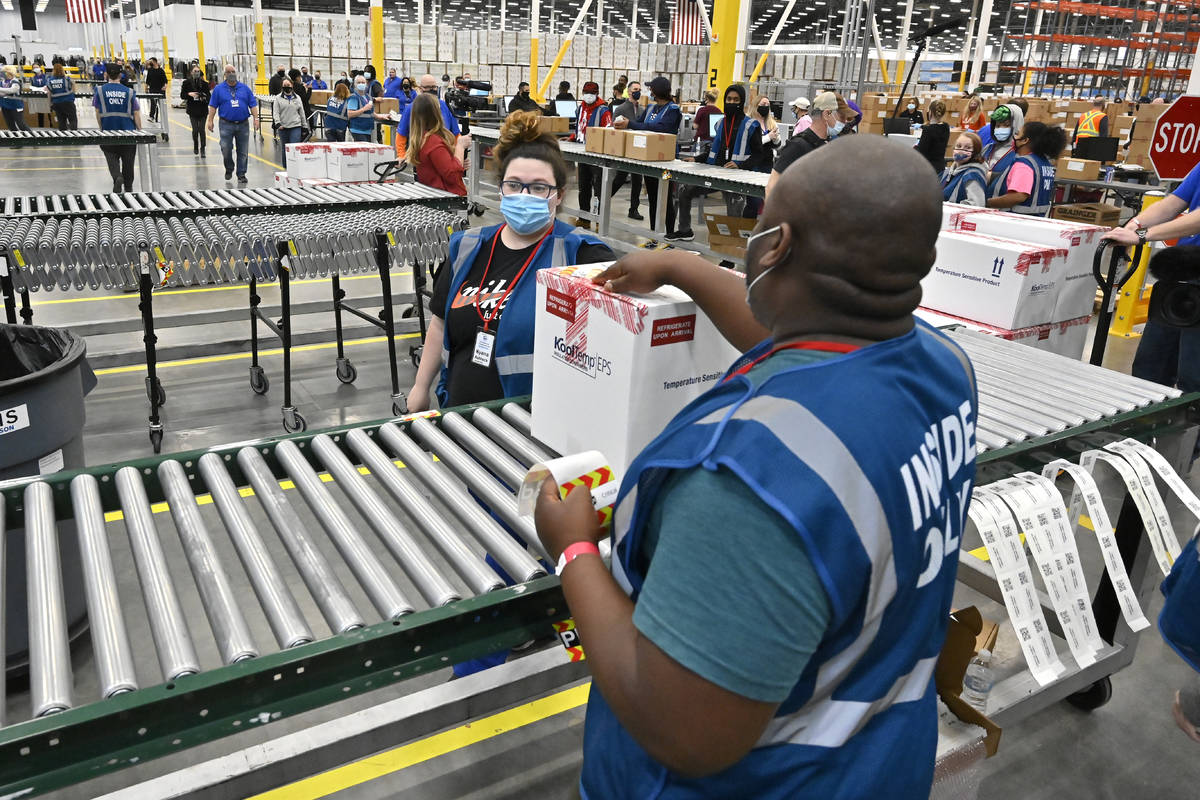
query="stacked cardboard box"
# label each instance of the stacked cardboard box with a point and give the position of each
(1143, 133)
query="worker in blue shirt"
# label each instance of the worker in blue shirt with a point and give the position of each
(777, 601)
(117, 110)
(661, 116)
(318, 84)
(360, 110)
(234, 102)
(392, 81)
(429, 85)
(1165, 354)
(98, 70)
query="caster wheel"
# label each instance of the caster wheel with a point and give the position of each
(408, 313)
(399, 409)
(1093, 697)
(346, 373)
(157, 394)
(294, 423)
(414, 354)
(156, 439)
(259, 383)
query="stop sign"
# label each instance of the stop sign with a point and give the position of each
(1175, 149)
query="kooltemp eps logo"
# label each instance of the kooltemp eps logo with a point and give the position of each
(575, 355)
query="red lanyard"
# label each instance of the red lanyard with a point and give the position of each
(827, 347)
(728, 133)
(487, 321)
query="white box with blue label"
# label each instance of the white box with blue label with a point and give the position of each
(1000, 282)
(611, 370)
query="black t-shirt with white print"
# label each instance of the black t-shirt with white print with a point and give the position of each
(467, 382)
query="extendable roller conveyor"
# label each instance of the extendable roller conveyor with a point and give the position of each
(207, 201)
(83, 136)
(360, 577)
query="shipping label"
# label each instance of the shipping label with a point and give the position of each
(673, 329)
(14, 419)
(560, 304)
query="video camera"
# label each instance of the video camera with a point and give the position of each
(1176, 298)
(458, 95)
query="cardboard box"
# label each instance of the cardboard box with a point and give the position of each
(1074, 283)
(554, 125)
(596, 137)
(307, 160)
(1080, 169)
(728, 235)
(967, 634)
(349, 162)
(996, 281)
(616, 142)
(647, 146)
(1104, 214)
(1150, 112)
(1122, 127)
(610, 370)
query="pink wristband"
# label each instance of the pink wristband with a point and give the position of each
(574, 551)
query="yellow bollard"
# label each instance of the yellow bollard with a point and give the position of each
(1134, 303)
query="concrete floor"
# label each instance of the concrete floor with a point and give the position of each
(1128, 748)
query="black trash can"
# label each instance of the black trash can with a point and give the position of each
(44, 376)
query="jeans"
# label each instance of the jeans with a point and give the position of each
(68, 119)
(335, 136)
(288, 136)
(14, 119)
(120, 158)
(1170, 356)
(360, 137)
(235, 132)
(199, 139)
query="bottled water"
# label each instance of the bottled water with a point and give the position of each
(978, 682)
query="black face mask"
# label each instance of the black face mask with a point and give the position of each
(764, 110)
(733, 109)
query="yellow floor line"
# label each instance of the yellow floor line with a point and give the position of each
(202, 290)
(388, 762)
(189, 362)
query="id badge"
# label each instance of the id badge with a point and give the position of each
(485, 343)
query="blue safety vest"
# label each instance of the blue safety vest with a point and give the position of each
(1179, 623)
(654, 112)
(116, 107)
(12, 102)
(514, 329)
(38, 79)
(877, 491)
(741, 140)
(1041, 198)
(62, 90)
(363, 123)
(595, 119)
(954, 184)
(335, 115)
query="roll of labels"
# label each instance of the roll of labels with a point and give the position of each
(1027, 508)
(588, 471)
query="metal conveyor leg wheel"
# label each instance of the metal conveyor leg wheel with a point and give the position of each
(155, 392)
(346, 373)
(259, 384)
(156, 434)
(399, 405)
(293, 422)
(1092, 697)
(414, 353)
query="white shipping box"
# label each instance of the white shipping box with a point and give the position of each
(610, 370)
(349, 162)
(995, 281)
(307, 160)
(378, 154)
(1067, 338)
(1075, 285)
(952, 214)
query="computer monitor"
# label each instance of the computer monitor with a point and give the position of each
(896, 125)
(479, 93)
(713, 121)
(1096, 148)
(566, 108)
(504, 101)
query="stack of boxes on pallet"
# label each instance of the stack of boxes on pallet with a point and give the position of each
(323, 163)
(1026, 279)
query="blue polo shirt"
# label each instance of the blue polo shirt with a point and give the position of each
(1189, 192)
(233, 104)
(447, 117)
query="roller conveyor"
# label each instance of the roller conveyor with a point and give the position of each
(360, 196)
(52, 137)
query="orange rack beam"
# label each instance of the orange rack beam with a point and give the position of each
(1111, 12)
(1097, 41)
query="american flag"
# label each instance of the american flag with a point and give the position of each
(85, 10)
(686, 27)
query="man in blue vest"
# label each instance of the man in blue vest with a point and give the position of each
(784, 553)
(234, 102)
(117, 110)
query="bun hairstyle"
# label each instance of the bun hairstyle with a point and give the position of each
(1048, 142)
(521, 138)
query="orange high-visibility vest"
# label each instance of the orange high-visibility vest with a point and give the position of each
(1089, 124)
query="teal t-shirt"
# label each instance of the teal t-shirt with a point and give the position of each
(731, 593)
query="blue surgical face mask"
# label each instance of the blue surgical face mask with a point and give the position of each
(750, 286)
(961, 156)
(361, 88)
(525, 213)
(836, 129)
(1001, 134)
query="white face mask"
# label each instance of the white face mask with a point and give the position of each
(589, 98)
(750, 286)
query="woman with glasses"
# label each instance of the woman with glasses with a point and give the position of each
(437, 159)
(965, 180)
(483, 299)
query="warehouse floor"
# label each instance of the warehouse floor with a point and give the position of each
(1128, 748)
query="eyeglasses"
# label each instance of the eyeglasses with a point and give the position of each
(538, 189)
